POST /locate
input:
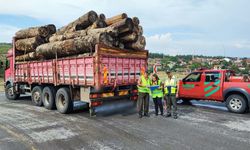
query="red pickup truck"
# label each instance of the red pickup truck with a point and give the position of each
(217, 85)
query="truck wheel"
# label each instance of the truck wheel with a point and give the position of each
(36, 96)
(236, 103)
(48, 97)
(9, 93)
(64, 104)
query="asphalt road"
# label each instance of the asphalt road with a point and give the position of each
(201, 126)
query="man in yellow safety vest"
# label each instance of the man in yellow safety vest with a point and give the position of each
(157, 94)
(170, 90)
(143, 95)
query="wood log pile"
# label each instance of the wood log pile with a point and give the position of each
(80, 36)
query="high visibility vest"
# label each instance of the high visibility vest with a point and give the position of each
(157, 92)
(171, 83)
(145, 84)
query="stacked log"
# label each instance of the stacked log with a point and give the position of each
(80, 36)
(28, 39)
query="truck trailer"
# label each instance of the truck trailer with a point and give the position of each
(103, 75)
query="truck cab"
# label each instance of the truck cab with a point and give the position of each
(216, 85)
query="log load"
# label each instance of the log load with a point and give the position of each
(80, 36)
(80, 24)
(42, 31)
(29, 44)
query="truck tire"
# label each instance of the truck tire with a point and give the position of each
(9, 94)
(64, 104)
(236, 103)
(48, 97)
(36, 96)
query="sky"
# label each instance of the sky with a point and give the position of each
(173, 27)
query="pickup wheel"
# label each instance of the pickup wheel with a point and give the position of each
(36, 96)
(64, 104)
(236, 103)
(185, 101)
(9, 93)
(48, 97)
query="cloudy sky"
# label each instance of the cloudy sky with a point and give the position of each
(207, 27)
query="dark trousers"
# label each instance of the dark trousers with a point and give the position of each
(171, 102)
(158, 104)
(143, 103)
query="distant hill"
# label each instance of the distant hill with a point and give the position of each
(4, 47)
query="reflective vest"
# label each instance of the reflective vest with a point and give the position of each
(145, 84)
(172, 84)
(157, 92)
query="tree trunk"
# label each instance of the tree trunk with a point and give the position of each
(80, 24)
(98, 24)
(138, 45)
(72, 46)
(67, 36)
(42, 31)
(102, 17)
(115, 19)
(110, 30)
(136, 21)
(26, 57)
(29, 44)
(132, 37)
(125, 25)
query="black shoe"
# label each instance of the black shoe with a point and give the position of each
(175, 117)
(140, 116)
(168, 115)
(146, 115)
(161, 114)
(156, 114)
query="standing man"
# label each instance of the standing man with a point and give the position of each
(143, 95)
(170, 94)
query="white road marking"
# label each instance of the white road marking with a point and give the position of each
(242, 125)
(52, 134)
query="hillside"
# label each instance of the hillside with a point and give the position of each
(4, 47)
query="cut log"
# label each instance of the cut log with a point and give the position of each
(102, 17)
(132, 37)
(136, 21)
(110, 30)
(115, 19)
(72, 46)
(80, 24)
(51, 28)
(42, 31)
(29, 44)
(27, 57)
(138, 45)
(67, 36)
(125, 25)
(98, 24)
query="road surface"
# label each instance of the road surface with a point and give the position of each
(201, 126)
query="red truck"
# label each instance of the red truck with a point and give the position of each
(217, 85)
(104, 75)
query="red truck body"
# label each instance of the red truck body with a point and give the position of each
(217, 85)
(107, 73)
